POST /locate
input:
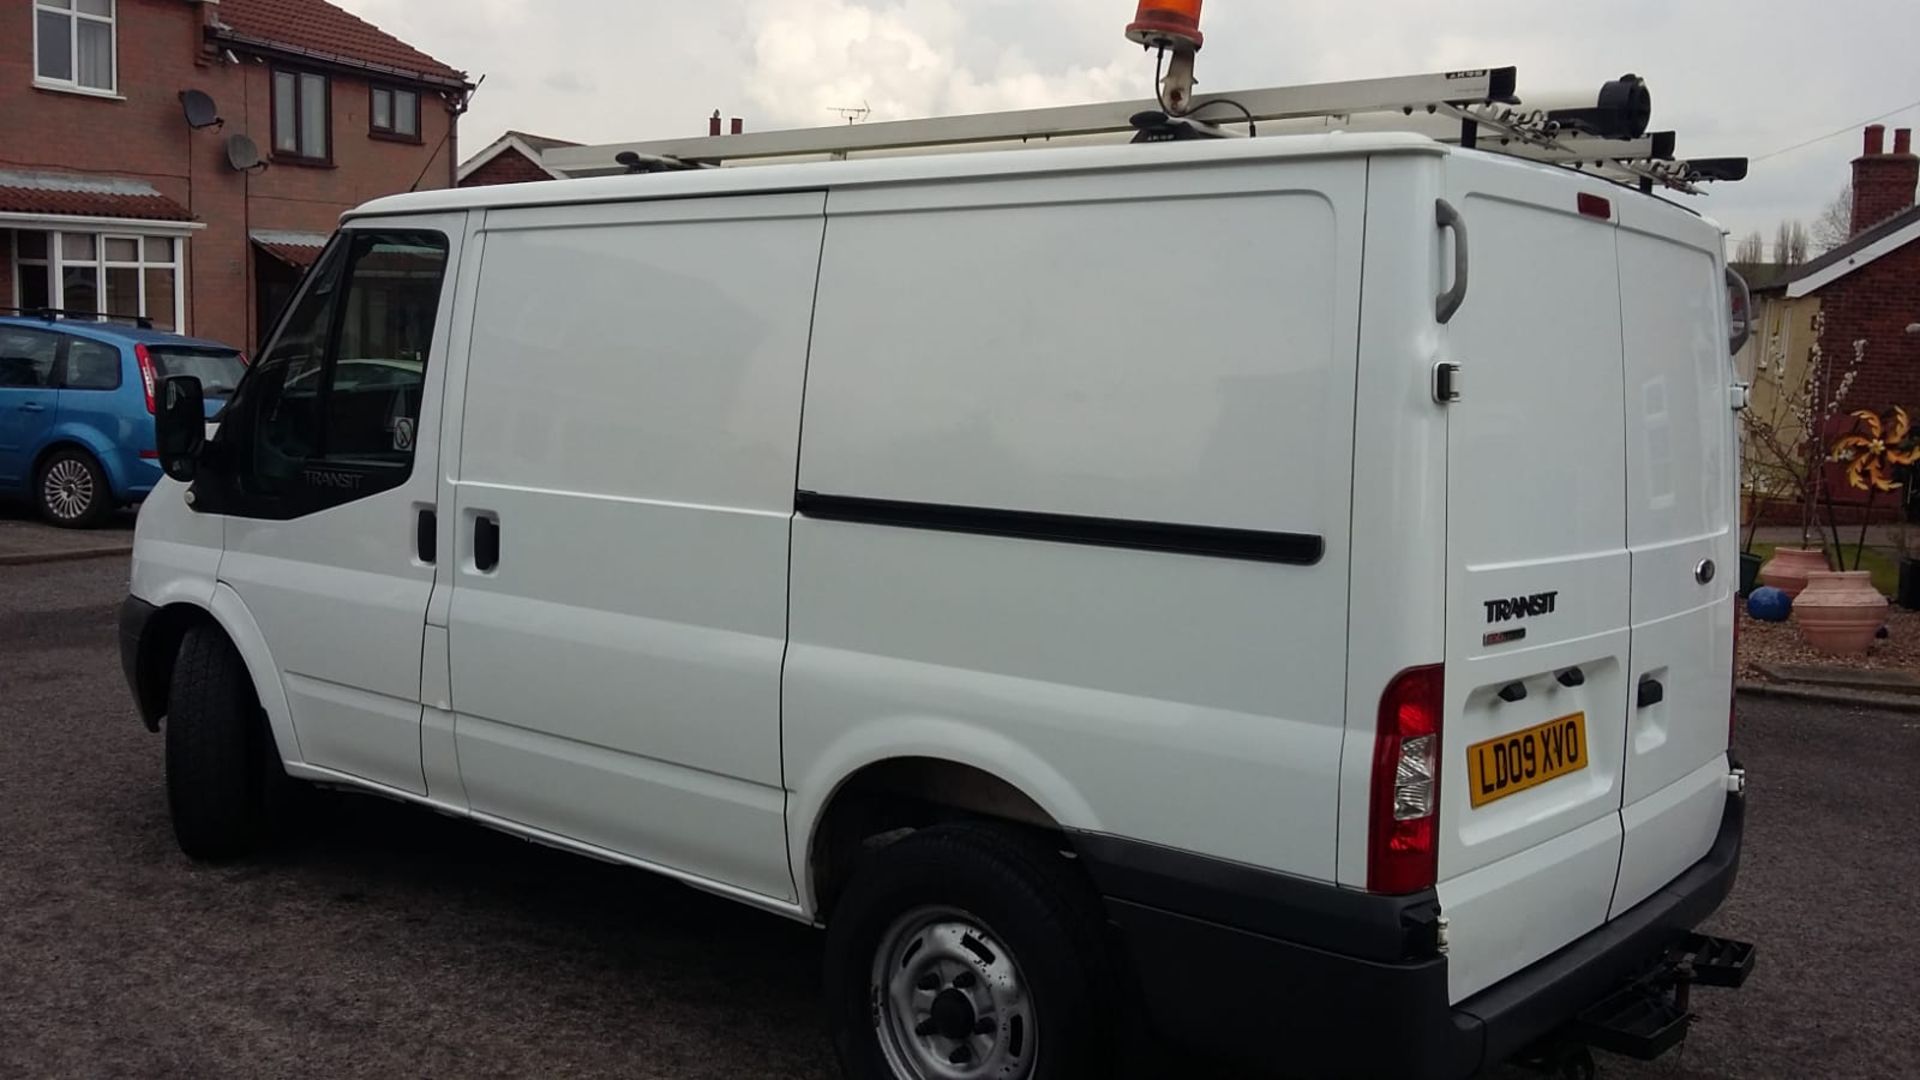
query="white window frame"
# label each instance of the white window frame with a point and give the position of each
(55, 266)
(74, 17)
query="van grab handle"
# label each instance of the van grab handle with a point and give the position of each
(1449, 302)
(1738, 339)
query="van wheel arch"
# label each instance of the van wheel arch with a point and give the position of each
(889, 799)
(159, 651)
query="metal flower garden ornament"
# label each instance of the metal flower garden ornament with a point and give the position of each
(1869, 455)
(1873, 450)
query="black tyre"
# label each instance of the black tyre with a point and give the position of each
(223, 775)
(968, 950)
(71, 490)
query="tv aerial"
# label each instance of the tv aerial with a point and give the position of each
(853, 114)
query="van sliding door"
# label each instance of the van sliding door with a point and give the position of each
(624, 498)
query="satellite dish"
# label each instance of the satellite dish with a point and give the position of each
(242, 154)
(200, 110)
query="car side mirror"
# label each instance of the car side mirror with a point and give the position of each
(179, 425)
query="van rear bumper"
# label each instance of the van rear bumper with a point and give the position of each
(1334, 1003)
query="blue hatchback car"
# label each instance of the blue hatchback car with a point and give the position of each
(76, 409)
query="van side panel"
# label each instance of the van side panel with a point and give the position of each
(996, 346)
(631, 419)
(1400, 472)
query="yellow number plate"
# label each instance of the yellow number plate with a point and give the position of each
(1513, 763)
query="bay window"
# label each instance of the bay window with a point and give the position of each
(111, 274)
(73, 45)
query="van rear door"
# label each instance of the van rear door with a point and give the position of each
(1680, 528)
(1537, 671)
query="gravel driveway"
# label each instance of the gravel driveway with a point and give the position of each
(393, 942)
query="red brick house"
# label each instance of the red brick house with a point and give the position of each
(1861, 301)
(110, 200)
(1867, 289)
(513, 158)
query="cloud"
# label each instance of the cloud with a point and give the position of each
(569, 82)
(812, 57)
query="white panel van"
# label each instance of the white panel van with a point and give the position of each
(1263, 588)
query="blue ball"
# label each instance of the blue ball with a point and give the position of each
(1769, 604)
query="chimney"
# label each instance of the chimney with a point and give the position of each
(1883, 183)
(739, 125)
(713, 123)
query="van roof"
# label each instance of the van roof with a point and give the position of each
(918, 168)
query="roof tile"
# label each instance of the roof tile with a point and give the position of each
(17, 200)
(327, 32)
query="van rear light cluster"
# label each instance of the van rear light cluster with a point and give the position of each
(147, 373)
(1403, 835)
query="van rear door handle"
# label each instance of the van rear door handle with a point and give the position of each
(1651, 693)
(426, 535)
(486, 543)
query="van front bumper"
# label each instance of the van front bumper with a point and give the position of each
(136, 619)
(1320, 981)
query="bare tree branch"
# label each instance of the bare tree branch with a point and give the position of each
(1834, 226)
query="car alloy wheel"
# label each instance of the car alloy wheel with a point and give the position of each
(68, 489)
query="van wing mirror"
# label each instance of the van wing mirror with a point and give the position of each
(179, 425)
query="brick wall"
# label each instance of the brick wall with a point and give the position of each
(145, 137)
(1875, 304)
(510, 166)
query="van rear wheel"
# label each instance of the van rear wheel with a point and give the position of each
(223, 775)
(967, 951)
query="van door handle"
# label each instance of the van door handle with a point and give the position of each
(486, 543)
(1651, 693)
(426, 535)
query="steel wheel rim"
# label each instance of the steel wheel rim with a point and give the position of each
(949, 1001)
(68, 489)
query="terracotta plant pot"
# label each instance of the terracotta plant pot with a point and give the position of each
(1789, 567)
(1840, 614)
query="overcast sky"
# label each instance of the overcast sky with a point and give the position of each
(1733, 77)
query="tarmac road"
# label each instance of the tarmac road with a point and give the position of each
(393, 942)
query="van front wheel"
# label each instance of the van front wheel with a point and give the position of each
(220, 761)
(967, 951)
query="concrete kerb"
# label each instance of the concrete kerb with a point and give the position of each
(1900, 703)
(31, 558)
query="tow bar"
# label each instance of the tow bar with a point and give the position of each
(1650, 1015)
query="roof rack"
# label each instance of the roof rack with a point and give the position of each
(48, 314)
(1605, 134)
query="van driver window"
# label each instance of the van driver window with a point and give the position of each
(341, 385)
